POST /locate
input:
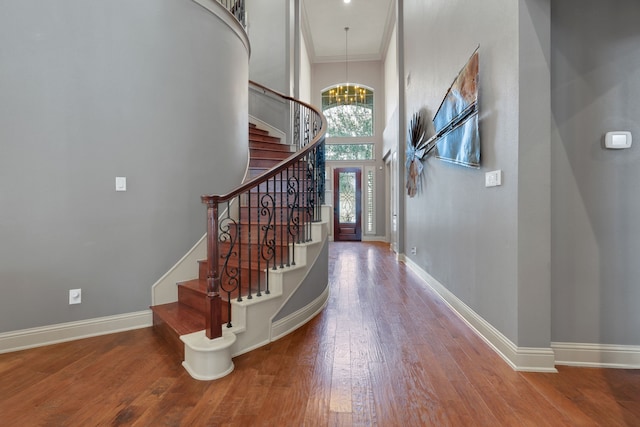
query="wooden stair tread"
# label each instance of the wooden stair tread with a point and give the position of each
(255, 144)
(180, 318)
(269, 154)
(257, 170)
(274, 140)
(266, 162)
(198, 285)
(255, 129)
(276, 160)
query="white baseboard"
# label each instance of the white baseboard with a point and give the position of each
(53, 334)
(290, 323)
(597, 355)
(374, 238)
(519, 358)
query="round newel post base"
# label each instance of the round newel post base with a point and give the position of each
(206, 359)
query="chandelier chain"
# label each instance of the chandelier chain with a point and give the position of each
(346, 53)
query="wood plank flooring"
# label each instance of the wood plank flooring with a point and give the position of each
(385, 351)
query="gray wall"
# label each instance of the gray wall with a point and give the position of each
(311, 287)
(93, 90)
(475, 240)
(534, 142)
(271, 31)
(270, 28)
(271, 109)
(595, 202)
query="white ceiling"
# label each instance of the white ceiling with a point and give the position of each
(370, 23)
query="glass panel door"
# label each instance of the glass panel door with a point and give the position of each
(347, 195)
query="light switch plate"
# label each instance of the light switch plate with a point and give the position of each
(493, 178)
(75, 296)
(121, 183)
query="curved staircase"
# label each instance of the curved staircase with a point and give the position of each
(269, 237)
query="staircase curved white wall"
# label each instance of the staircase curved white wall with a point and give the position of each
(154, 90)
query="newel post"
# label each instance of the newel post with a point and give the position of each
(213, 320)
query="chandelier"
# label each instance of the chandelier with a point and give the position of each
(347, 94)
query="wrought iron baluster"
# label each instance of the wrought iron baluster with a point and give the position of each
(293, 220)
(258, 245)
(236, 8)
(281, 206)
(311, 203)
(311, 192)
(267, 249)
(239, 251)
(284, 176)
(248, 245)
(299, 205)
(307, 135)
(297, 140)
(320, 166)
(228, 233)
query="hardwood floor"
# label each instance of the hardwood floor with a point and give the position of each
(385, 351)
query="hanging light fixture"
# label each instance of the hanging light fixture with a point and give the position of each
(347, 94)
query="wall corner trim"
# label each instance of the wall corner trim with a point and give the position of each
(597, 355)
(62, 332)
(529, 359)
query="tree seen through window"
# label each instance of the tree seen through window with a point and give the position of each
(349, 111)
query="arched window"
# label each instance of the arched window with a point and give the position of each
(349, 110)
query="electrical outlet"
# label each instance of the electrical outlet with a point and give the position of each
(414, 250)
(75, 296)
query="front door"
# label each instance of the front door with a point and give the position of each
(347, 204)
